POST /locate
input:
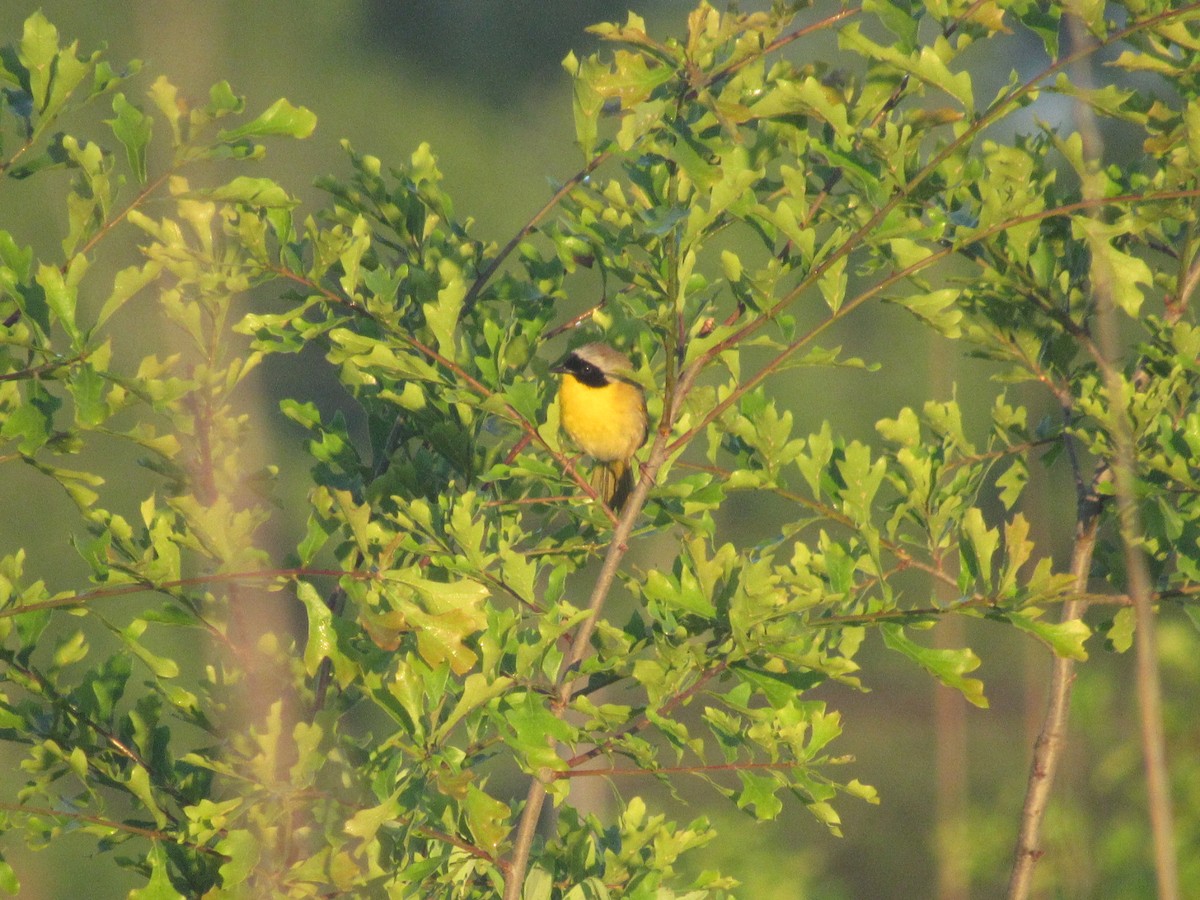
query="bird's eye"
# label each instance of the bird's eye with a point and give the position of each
(586, 372)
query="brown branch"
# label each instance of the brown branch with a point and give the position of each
(151, 833)
(1149, 690)
(465, 846)
(112, 223)
(44, 368)
(137, 587)
(1051, 741)
(782, 41)
(643, 721)
(580, 643)
(613, 771)
(567, 186)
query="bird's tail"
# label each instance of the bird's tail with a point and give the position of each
(613, 481)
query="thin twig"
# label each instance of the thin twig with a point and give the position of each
(137, 587)
(536, 796)
(1051, 741)
(614, 771)
(152, 834)
(564, 189)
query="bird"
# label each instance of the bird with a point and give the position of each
(603, 411)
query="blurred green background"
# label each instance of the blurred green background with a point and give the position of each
(482, 83)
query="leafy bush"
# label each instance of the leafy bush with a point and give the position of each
(465, 652)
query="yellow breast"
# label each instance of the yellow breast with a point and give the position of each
(608, 423)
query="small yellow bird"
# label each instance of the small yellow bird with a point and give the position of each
(604, 412)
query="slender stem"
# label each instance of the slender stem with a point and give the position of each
(1051, 741)
(136, 587)
(750, 382)
(114, 824)
(643, 721)
(567, 186)
(614, 771)
(536, 795)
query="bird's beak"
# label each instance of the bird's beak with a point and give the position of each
(560, 367)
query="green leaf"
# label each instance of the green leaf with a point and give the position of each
(280, 118)
(87, 390)
(159, 886)
(832, 283)
(946, 665)
(8, 878)
(862, 479)
(923, 63)
(165, 96)
(477, 690)
(243, 851)
(938, 309)
(29, 423)
(758, 793)
(539, 884)
(37, 52)
(17, 261)
(161, 666)
(61, 296)
(1012, 482)
(683, 594)
(322, 640)
(487, 819)
(1043, 20)
(127, 283)
(365, 823)
(976, 550)
(1114, 269)
(256, 192)
(222, 101)
(1017, 550)
(1066, 639)
(442, 315)
(898, 17)
(587, 102)
(1120, 631)
(453, 612)
(534, 729)
(132, 128)
(70, 650)
(139, 785)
